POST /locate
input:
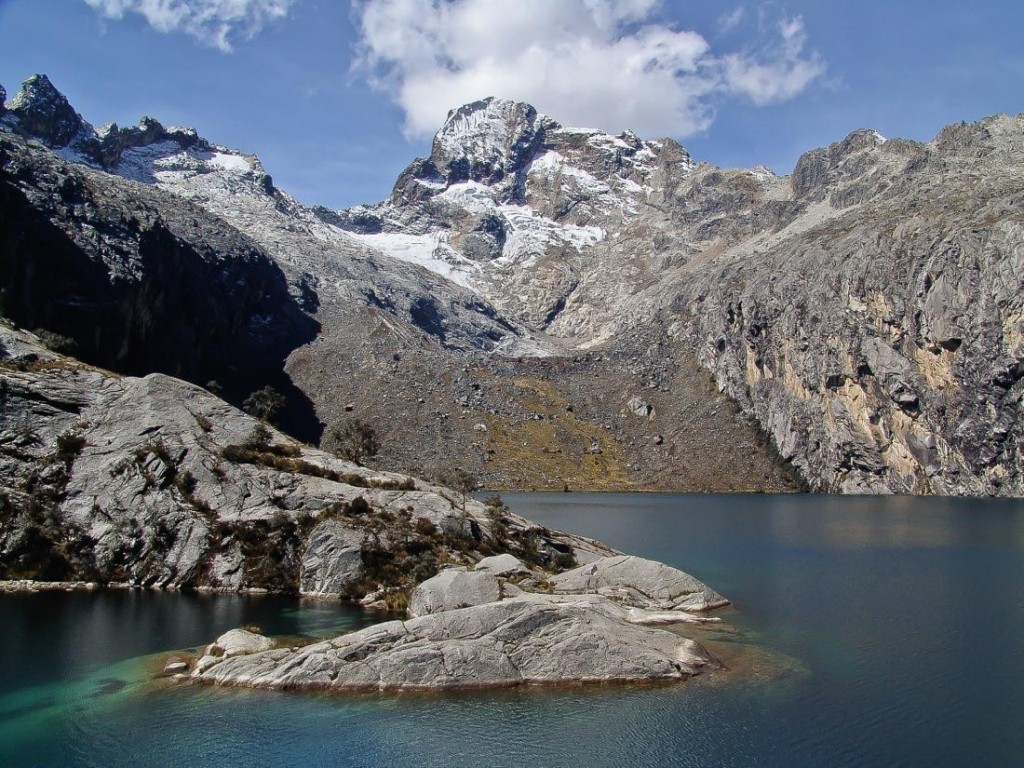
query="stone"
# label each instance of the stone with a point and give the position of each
(452, 589)
(505, 565)
(238, 641)
(640, 583)
(639, 407)
(332, 559)
(234, 642)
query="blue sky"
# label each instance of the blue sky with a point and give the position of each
(336, 98)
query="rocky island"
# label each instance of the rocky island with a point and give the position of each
(496, 624)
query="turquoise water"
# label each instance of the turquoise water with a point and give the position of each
(866, 632)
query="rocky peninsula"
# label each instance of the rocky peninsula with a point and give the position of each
(115, 481)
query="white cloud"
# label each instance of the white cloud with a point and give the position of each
(729, 21)
(777, 73)
(597, 63)
(212, 22)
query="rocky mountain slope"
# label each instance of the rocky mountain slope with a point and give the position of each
(548, 306)
(445, 377)
(155, 482)
(866, 310)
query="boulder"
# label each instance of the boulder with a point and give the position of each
(175, 667)
(639, 583)
(639, 407)
(452, 589)
(234, 642)
(332, 559)
(502, 565)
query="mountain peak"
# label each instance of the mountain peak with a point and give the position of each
(488, 140)
(44, 112)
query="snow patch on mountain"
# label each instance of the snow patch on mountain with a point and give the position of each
(532, 235)
(471, 196)
(167, 163)
(528, 233)
(430, 251)
(229, 161)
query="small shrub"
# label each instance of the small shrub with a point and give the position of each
(259, 438)
(359, 506)
(264, 403)
(461, 481)
(564, 561)
(355, 441)
(424, 527)
(70, 446)
(56, 342)
(387, 484)
(187, 483)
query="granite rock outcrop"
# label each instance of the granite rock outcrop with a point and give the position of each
(469, 629)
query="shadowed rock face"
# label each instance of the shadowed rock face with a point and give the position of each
(142, 281)
(44, 112)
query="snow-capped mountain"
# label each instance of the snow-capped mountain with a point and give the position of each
(512, 204)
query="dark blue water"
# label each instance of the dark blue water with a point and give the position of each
(866, 632)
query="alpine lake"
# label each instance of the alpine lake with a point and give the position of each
(865, 631)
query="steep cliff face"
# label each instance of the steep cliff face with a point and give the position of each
(882, 348)
(139, 279)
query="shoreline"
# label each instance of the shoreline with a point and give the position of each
(28, 586)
